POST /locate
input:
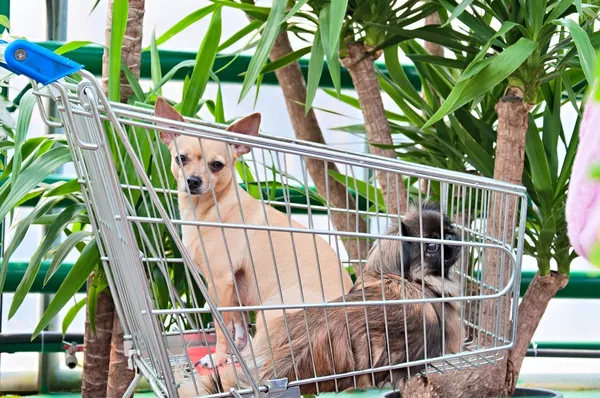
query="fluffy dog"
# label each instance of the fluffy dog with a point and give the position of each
(339, 340)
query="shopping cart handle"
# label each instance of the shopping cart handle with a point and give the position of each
(36, 62)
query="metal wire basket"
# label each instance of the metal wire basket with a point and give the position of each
(169, 312)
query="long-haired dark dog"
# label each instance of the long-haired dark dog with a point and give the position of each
(336, 340)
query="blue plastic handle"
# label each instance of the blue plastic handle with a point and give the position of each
(36, 62)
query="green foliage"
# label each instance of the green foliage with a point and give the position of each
(204, 61)
(119, 23)
(453, 125)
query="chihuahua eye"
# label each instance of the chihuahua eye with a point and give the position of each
(431, 247)
(181, 159)
(216, 166)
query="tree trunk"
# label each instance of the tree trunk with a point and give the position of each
(292, 83)
(119, 374)
(97, 347)
(131, 51)
(537, 297)
(500, 379)
(434, 48)
(360, 64)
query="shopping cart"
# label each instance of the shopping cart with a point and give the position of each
(168, 317)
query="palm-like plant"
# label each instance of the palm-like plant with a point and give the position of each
(492, 106)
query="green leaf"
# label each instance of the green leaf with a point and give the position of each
(184, 23)
(595, 255)
(294, 10)
(585, 50)
(337, 13)
(83, 267)
(21, 229)
(392, 62)
(365, 190)
(578, 4)
(4, 21)
(51, 236)
(134, 83)
(333, 59)
(477, 156)
(479, 62)
(457, 11)
(155, 71)
(535, 10)
(315, 70)
(559, 9)
(72, 46)
(23, 122)
(285, 60)
(65, 188)
(169, 75)
(98, 285)
(269, 34)
(539, 166)
(246, 6)
(500, 68)
(435, 60)
(6, 145)
(240, 34)
(39, 169)
(119, 24)
(71, 314)
(595, 172)
(219, 110)
(204, 62)
(63, 250)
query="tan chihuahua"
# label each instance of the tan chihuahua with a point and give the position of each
(222, 255)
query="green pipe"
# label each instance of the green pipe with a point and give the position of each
(582, 285)
(91, 57)
(49, 342)
(16, 272)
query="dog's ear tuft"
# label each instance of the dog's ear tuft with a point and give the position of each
(166, 111)
(248, 125)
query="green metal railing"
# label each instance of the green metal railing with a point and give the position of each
(582, 285)
(91, 57)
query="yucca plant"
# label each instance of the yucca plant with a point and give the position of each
(329, 28)
(491, 106)
(61, 205)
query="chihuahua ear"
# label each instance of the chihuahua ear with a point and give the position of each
(164, 110)
(248, 125)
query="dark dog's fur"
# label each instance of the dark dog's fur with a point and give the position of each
(345, 339)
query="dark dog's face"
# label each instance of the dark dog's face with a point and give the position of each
(429, 254)
(401, 257)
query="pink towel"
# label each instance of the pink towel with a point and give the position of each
(583, 197)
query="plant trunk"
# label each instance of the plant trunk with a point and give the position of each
(433, 48)
(537, 297)
(500, 379)
(360, 64)
(119, 374)
(131, 52)
(97, 347)
(292, 83)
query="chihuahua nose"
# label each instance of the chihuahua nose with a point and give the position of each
(194, 183)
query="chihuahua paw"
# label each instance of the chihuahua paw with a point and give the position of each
(213, 360)
(241, 336)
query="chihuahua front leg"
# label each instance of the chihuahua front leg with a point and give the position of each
(225, 291)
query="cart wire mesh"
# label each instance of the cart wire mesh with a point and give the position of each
(169, 317)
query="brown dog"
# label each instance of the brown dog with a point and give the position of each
(223, 255)
(354, 339)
